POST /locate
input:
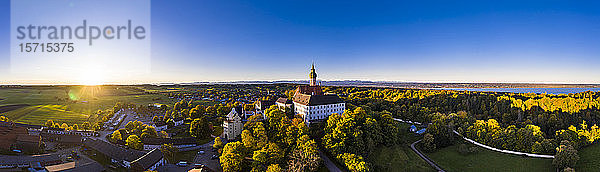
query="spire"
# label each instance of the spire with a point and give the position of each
(313, 75)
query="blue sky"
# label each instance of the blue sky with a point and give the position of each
(424, 41)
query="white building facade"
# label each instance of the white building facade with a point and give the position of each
(318, 112)
(232, 127)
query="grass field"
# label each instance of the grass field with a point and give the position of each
(485, 160)
(69, 104)
(589, 158)
(398, 158)
(39, 114)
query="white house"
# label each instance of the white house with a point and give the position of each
(232, 127)
(178, 121)
(160, 126)
(284, 103)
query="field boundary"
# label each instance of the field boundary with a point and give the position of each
(11, 107)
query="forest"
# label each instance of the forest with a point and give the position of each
(526, 122)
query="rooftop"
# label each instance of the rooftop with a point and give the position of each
(314, 100)
(147, 160)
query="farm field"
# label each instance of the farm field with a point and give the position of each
(39, 114)
(69, 104)
(485, 160)
(589, 158)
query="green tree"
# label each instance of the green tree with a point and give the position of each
(566, 155)
(134, 142)
(150, 130)
(355, 163)
(269, 154)
(232, 157)
(169, 152)
(197, 112)
(218, 144)
(130, 126)
(200, 128)
(116, 135)
(49, 123)
(155, 119)
(428, 143)
(85, 126)
(274, 168)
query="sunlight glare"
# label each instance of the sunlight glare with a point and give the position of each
(91, 77)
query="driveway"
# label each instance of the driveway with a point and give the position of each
(430, 162)
(328, 163)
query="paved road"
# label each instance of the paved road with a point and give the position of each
(430, 162)
(328, 163)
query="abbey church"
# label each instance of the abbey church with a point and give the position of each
(312, 104)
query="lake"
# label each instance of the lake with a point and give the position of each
(526, 90)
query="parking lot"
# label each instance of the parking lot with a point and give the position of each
(206, 158)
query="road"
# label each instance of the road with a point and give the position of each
(205, 159)
(328, 163)
(430, 162)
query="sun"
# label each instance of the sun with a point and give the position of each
(91, 77)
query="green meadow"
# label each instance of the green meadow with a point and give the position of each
(486, 160)
(589, 158)
(398, 158)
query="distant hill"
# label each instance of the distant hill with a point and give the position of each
(405, 84)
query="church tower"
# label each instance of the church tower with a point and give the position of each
(313, 76)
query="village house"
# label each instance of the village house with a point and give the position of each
(160, 126)
(17, 137)
(233, 125)
(284, 103)
(262, 105)
(148, 162)
(117, 155)
(178, 121)
(154, 143)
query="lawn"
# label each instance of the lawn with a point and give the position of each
(485, 160)
(589, 158)
(398, 158)
(187, 156)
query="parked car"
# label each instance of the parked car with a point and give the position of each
(214, 157)
(200, 152)
(182, 164)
